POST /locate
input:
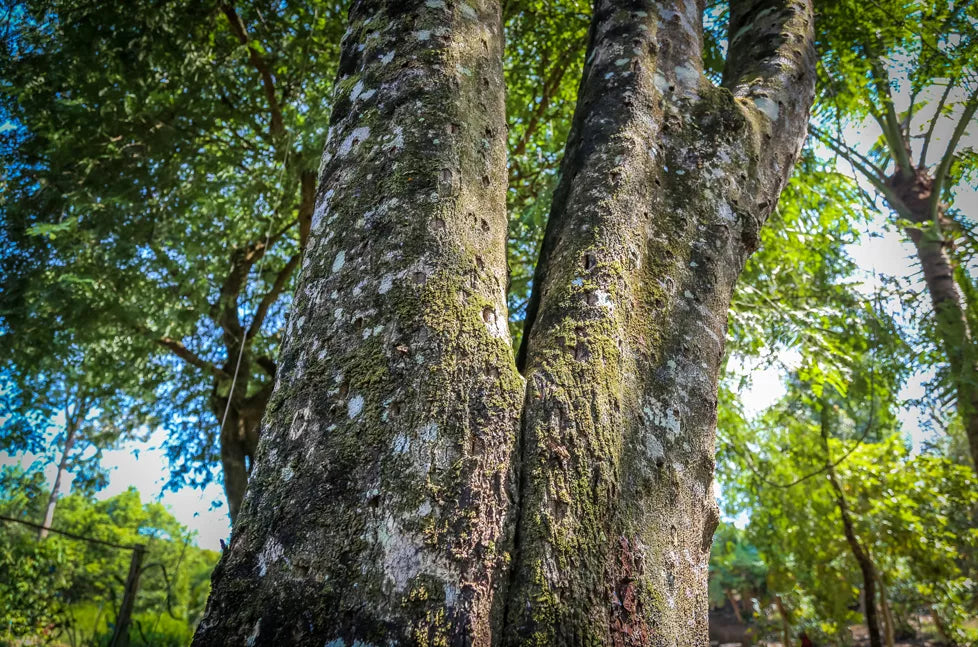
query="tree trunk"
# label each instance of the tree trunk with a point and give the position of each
(862, 557)
(71, 428)
(240, 419)
(889, 632)
(950, 318)
(785, 621)
(411, 488)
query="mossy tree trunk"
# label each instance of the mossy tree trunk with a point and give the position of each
(411, 488)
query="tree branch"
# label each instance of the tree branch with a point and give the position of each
(770, 70)
(933, 122)
(189, 356)
(940, 175)
(277, 127)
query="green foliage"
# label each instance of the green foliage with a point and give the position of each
(65, 590)
(145, 160)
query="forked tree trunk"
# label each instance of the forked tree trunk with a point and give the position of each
(411, 488)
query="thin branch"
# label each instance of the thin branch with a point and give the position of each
(940, 175)
(71, 535)
(889, 122)
(281, 280)
(933, 123)
(189, 356)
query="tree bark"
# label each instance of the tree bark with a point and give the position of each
(71, 428)
(665, 182)
(411, 488)
(376, 512)
(889, 631)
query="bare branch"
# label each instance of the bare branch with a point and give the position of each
(940, 175)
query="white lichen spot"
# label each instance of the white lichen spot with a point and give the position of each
(336, 642)
(401, 444)
(468, 11)
(604, 299)
(354, 406)
(386, 283)
(270, 553)
(358, 135)
(424, 34)
(339, 261)
(725, 213)
(688, 294)
(436, 4)
(387, 58)
(768, 107)
(661, 83)
(287, 474)
(654, 448)
(355, 92)
(338, 313)
(253, 636)
(622, 61)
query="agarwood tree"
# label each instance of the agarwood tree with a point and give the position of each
(411, 486)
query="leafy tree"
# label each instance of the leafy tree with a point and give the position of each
(910, 72)
(68, 589)
(160, 184)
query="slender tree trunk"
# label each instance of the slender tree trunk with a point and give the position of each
(785, 622)
(71, 429)
(889, 630)
(950, 318)
(861, 555)
(411, 488)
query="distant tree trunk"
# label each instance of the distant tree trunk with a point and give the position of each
(239, 418)
(889, 630)
(859, 552)
(71, 428)
(410, 487)
(914, 191)
(785, 621)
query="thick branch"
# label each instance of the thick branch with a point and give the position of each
(770, 67)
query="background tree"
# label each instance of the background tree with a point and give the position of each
(160, 177)
(68, 591)
(910, 72)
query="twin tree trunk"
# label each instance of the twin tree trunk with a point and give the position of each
(411, 486)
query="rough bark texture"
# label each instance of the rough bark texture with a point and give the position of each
(666, 180)
(380, 509)
(376, 511)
